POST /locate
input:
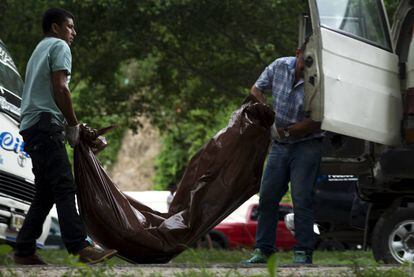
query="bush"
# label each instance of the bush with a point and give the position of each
(184, 140)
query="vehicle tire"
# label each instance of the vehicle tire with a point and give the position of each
(219, 240)
(212, 240)
(205, 242)
(392, 240)
(330, 245)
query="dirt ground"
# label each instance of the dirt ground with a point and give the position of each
(134, 169)
(189, 270)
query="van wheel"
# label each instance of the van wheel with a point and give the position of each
(393, 237)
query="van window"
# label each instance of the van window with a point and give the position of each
(9, 77)
(10, 80)
(362, 19)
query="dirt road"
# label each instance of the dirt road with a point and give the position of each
(209, 270)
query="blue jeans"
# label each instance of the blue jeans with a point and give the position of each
(298, 163)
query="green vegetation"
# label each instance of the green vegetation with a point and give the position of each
(212, 256)
(198, 262)
(200, 256)
(5, 250)
(184, 140)
(391, 6)
(184, 64)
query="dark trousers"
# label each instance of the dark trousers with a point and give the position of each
(54, 184)
(298, 163)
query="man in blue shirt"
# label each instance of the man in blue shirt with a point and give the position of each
(46, 116)
(294, 157)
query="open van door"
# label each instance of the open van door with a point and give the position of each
(352, 73)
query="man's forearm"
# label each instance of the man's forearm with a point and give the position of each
(258, 94)
(303, 128)
(64, 102)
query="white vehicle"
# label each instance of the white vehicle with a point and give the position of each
(359, 82)
(154, 199)
(16, 178)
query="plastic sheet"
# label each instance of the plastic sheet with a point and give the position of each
(218, 179)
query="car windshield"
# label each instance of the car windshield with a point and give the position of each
(11, 85)
(361, 19)
(9, 77)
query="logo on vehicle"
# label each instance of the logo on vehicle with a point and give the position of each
(21, 159)
(9, 142)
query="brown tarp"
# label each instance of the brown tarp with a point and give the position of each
(218, 179)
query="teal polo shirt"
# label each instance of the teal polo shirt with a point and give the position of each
(50, 55)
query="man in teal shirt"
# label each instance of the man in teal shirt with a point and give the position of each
(51, 55)
(47, 116)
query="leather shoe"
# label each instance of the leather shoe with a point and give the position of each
(93, 255)
(29, 260)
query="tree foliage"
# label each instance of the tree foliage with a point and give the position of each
(180, 62)
(183, 63)
(391, 6)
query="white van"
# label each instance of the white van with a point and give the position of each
(16, 178)
(359, 82)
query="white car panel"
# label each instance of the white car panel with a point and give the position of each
(13, 159)
(156, 200)
(239, 215)
(361, 89)
(9, 208)
(15, 164)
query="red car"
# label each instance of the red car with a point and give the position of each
(239, 229)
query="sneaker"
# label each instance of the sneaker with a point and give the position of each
(29, 260)
(301, 257)
(93, 255)
(257, 258)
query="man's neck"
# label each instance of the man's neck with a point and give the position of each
(51, 35)
(298, 76)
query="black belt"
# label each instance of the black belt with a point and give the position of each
(291, 143)
(54, 129)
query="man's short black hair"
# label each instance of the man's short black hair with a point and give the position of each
(55, 15)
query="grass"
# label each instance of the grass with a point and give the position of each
(359, 263)
(205, 256)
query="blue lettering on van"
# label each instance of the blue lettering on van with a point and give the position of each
(10, 143)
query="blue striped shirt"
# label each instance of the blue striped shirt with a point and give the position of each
(288, 97)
